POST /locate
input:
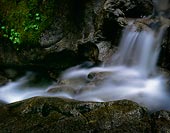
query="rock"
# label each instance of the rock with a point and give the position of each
(2, 103)
(115, 12)
(62, 88)
(42, 114)
(88, 52)
(165, 51)
(161, 8)
(11, 73)
(161, 121)
(50, 37)
(8, 55)
(106, 51)
(166, 74)
(60, 60)
(3, 80)
(60, 29)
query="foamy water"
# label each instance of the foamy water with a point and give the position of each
(125, 83)
(132, 75)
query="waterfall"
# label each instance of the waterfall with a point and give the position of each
(132, 75)
(139, 49)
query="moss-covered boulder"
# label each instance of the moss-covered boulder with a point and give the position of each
(62, 115)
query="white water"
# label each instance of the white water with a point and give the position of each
(139, 49)
(133, 75)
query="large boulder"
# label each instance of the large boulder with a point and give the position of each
(62, 115)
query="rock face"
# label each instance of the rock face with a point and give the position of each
(63, 115)
(51, 28)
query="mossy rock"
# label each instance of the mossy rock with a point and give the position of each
(47, 114)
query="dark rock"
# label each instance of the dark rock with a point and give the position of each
(166, 73)
(2, 103)
(131, 8)
(62, 60)
(161, 8)
(11, 73)
(88, 52)
(50, 37)
(165, 51)
(63, 115)
(161, 121)
(115, 12)
(8, 55)
(3, 80)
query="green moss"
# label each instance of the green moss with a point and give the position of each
(27, 17)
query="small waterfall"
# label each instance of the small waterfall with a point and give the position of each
(132, 75)
(139, 49)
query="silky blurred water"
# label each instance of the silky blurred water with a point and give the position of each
(132, 75)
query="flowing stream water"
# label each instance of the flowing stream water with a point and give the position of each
(132, 75)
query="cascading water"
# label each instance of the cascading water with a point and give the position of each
(132, 75)
(139, 49)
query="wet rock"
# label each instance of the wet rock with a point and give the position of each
(100, 75)
(106, 51)
(62, 115)
(74, 82)
(60, 89)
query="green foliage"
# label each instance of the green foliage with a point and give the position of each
(33, 23)
(22, 22)
(11, 34)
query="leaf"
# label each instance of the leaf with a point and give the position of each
(3, 27)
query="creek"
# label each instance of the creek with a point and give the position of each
(132, 74)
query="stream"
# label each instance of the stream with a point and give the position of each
(132, 74)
